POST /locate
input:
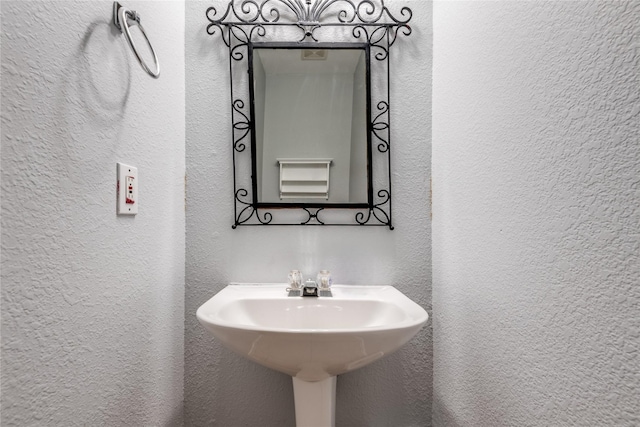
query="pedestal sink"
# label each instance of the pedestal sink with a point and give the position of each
(313, 339)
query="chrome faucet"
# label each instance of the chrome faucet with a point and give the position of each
(310, 288)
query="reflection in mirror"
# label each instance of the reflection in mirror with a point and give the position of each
(311, 136)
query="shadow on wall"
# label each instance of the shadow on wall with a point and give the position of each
(441, 414)
(99, 78)
(100, 65)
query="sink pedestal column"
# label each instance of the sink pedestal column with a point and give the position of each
(315, 402)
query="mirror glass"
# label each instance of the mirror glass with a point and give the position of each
(310, 106)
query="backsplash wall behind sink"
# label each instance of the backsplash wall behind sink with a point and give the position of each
(224, 389)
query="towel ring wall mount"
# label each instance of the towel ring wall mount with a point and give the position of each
(122, 18)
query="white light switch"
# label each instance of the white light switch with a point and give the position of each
(127, 189)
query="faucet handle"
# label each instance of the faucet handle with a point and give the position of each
(295, 279)
(324, 280)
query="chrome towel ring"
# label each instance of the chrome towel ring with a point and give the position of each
(122, 18)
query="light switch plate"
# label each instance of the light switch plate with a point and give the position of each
(127, 189)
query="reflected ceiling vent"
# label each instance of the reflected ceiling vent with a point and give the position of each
(314, 54)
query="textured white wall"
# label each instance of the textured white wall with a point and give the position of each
(92, 303)
(535, 226)
(220, 387)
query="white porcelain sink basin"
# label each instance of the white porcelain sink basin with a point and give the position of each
(312, 338)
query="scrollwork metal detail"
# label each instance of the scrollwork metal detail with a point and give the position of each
(241, 126)
(312, 216)
(377, 211)
(370, 12)
(308, 16)
(244, 22)
(248, 210)
(380, 126)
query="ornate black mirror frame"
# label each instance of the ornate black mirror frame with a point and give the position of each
(368, 23)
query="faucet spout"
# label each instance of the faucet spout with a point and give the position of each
(310, 288)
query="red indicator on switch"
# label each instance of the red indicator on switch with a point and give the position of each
(129, 196)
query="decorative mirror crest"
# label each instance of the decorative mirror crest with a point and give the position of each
(307, 24)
